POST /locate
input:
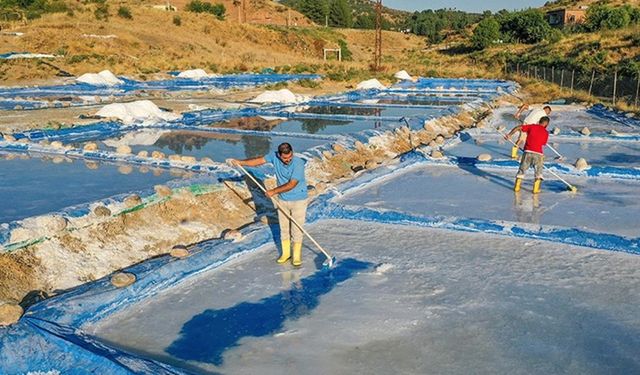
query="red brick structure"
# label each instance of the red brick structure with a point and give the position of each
(566, 17)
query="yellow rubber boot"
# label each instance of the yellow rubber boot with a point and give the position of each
(516, 187)
(297, 254)
(536, 186)
(514, 152)
(286, 252)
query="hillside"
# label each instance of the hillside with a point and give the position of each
(552, 5)
(152, 42)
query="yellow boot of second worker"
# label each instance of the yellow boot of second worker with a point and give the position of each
(297, 254)
(514, 152)
(286, 252)
(516, 187)
(536, 186)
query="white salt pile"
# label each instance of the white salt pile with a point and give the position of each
(279, 96)
(142, 111)
(195, 74)
(403, 76)
(104, 78)
(370, 84)
(141, 138)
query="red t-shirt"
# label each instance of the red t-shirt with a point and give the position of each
(537, 137)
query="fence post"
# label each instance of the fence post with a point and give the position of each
(593, 76)
(562, 79)
(637, 91)
(535, 71)
(615, 86)
(573, 74)
(544, 73)
(518, 68)
(553, 74)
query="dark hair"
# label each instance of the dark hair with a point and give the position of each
(547, 107)
(285, 149)
(544, 120)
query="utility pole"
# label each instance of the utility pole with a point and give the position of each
(377, 60)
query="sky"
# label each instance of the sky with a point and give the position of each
(466, 5)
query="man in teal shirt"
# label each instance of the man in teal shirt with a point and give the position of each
(292, 193)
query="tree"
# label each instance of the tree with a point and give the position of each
(527, 26)
(486, 33)
(316, 10)
(605, 17)
(340, 14)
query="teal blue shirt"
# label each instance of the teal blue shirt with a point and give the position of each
(288, 172)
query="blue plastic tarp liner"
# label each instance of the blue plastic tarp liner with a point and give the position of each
(453, 83)
(601, 111)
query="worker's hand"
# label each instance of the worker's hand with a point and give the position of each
(270, 193)
(232, 162)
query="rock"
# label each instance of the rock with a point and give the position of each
(630, 115)
(125, 169)
(357, 168)
(56, 144)
(359, 145)
(57, 159)
(581, 164)
(436, 154)
(614, 133)
(93, 165)
(132, 201)
(585, 131)
(179, 251)
(338, 148)
(312, 191)
(44, 142)
(163, 190)
(143, 154)
(189, 160)
(176, 158)
(370, 164)
(9, 138)
(23, 140)
(555, 131)
(101, 211)
(54, 223)
(433, 144)
(439, 140)
(484, 157)
(232, 235)
(122, 279)
(123, 149)
(10, 313)
(157, 155)
(91, 146)
(207, 161)
(18, 107)
(327, 154)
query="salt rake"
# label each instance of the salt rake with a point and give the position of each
(330, 260)
(571, 187)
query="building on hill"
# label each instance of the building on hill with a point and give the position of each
(567, 17)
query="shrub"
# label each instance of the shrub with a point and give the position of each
(346, 53)
(528, 26)
(601, 17)
(486, 33)
(198, 6)
(177, 20)
(125, 13)
(102, 12)
(309, 83)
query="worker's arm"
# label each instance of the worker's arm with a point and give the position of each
(253, 162)
(512, 132)
(282, 188)
(522, 108)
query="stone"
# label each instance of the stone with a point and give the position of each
(614, 133)
(370, 164)
(56, 223)
(555, 131)
(175, 158)
(102, 211)
(10, 313)
(157, 155)
(122, 279)
(359, 145)
(207, 161)
(18, 107)
(93, 165)
(163, 190)
(56, 144)
(484, 157)
(189, 160)
(581, 164)
(436, 154)
(439, 140)
(585, 131)
(338, 148)
(132, 201)
(433, 144)
(23, 140)
(57, 160)
(123, 149)
(232, 235)
(125, 169)
(143, 154)
(327, 154)
(179, 251)
(312, 191)
(630, 115)
(90, 147)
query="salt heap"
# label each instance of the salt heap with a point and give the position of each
(195, 74)
(403, 76)
(104, 78)
(141, 111)
(278, 96)
(370, 84)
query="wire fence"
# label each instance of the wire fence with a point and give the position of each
(609, 87)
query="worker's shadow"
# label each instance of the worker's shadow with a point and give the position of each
(469, 165)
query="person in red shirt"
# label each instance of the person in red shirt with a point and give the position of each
(537, 137)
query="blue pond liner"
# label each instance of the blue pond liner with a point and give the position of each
(603, 112)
